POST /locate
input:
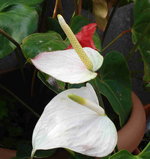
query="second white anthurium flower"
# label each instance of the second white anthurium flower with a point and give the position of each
(76, 65)
(74, 120)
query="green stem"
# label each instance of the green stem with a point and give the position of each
(19, 100)
(32, 155)
(8, 70)
(18, 50)
(115, 39)
(78, 7)
(133, 50)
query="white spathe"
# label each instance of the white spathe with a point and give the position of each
(68, 124)
(66, 66)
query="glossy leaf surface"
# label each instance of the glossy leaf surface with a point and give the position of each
(115, 84)
(18, 21)
(145, 154)
(141, 33)
(54, 85)
(26, 2)
(41, 42)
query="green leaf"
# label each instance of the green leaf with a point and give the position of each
(18, 21)
(141, 33)
(115, 84)
(41, 42)
(80, 156)
(107, 157)
(125, 2)
(53, 25)
(77, 22)
(97, 41)
(145, 154)
(44, 153)
(26, 2)
(56, 86)
(123, 155)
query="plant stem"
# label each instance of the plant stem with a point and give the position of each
(58, 6)
(18, 51)
(19, 100)
(109, 20)
(55, 9)
(32, 155)
(8, 70)
(78, 7)
(115, 39)
(44, 14)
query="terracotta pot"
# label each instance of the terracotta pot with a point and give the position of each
(7, 154)
(129, 136)
(132, 133)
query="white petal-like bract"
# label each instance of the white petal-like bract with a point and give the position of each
(66, 66)
(68, 124)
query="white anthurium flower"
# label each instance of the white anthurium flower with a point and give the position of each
(76, 65)
(74, 120)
